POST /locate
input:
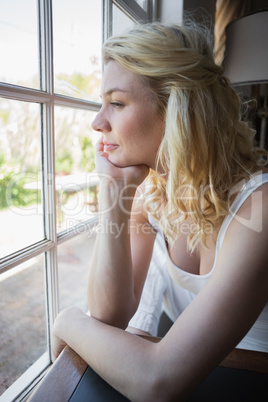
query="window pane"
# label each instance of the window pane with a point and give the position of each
(142, 4)
(121, 21)
(23, 328)
(20, 160)
(73, 261)
(77, 48)
(76, 182)
(19, 42)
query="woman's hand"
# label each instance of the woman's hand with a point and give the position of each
(130, 175)
(61, 328)
(58, 345)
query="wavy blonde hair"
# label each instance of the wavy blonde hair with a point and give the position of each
(207, 148)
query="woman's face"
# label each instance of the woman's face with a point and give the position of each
(132, 130)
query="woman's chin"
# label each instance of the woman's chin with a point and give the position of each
(119, 163)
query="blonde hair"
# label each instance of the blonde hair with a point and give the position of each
(206, 149)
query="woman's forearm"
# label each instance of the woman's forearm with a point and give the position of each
(110, 282)
(124, 360)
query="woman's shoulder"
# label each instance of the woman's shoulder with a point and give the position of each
(253, 196)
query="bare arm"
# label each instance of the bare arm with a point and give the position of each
(123, 250)
(204, 334)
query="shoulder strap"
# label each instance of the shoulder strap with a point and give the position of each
(248, 188)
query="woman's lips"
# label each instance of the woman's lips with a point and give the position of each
(109, 147)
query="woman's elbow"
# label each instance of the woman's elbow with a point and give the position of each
(117, 317)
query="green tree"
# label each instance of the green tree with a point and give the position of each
(87, 157)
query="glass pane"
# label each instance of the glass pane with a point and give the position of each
(21, 217)
(142, 4)
(73, 262)
(76, 182)
(19, 42)
(77, 48)
(121, 22)
(23, 328)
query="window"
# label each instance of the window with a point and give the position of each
(49, 93)
(122, 14)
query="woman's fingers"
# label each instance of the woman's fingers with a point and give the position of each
(129, 174)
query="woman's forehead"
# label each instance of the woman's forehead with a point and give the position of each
(116, 78)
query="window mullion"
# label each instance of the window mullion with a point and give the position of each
(17, 258)
(107, 13)
(50, 200)
(22, 94)
(153, 10)
(48, 170)
(66, 101)
(46, 46)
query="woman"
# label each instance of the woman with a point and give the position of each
(182, 191)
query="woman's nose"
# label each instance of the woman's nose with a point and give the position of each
(100, 123)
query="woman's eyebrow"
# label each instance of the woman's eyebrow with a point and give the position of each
(112, 90)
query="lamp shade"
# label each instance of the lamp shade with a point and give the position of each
(246, 54)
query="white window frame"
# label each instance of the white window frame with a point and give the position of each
(48, 100)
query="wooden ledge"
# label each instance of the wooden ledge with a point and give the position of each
(62, 378)
(250, 360)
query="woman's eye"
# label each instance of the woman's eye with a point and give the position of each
(117, 104)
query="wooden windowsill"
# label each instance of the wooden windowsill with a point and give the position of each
(64, 374)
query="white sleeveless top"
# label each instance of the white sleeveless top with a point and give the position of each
(257, 337)
(194, 283)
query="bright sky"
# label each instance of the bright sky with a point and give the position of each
(77, 37)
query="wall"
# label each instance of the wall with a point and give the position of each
(170, 11)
